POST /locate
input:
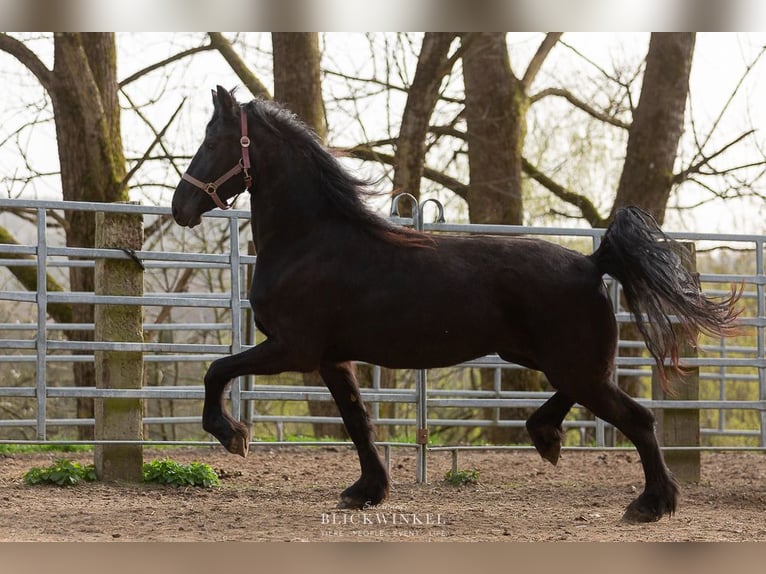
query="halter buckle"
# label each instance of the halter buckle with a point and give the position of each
(244, 141)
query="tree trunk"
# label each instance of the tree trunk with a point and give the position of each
(297, 80)
(297, 85)
(409, 159)
(87, 114)
(495, 110)
(658, 123)
(496, 104)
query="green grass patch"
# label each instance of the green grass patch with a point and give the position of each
(38, 448)
(166, 471)
(462, 477)
(64, 472)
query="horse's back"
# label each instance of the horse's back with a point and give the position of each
(464, 297)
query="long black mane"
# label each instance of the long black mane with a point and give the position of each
(339, 188)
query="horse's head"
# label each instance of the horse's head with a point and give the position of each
(217, 170)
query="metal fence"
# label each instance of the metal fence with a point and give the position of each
(732, 372)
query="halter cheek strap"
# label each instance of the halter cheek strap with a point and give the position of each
(243, 166)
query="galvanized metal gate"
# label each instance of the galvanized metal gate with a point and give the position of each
(722, 364)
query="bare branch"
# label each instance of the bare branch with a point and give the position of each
(236, 63)
(174, 58)
(585, 205)
(368, 154)
(697, 167)
(27, 57)
(550, 40)
(157, 138)
(27, 276)
(572, 99)
(749, 68)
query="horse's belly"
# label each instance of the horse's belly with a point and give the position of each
(422, 350)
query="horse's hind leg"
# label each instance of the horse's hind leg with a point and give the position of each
(372, 486)
(544, 426)
(636, 422)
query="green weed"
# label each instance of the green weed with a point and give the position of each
(166, 471)
(462, 477)
(67, 473)
(63, 472)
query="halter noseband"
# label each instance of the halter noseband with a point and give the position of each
(243, 165)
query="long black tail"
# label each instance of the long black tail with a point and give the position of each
(652, 270)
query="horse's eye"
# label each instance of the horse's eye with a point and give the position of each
(210, 146)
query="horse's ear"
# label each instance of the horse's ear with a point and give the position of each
(224, 102)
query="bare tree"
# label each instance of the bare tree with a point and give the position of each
(647, 174)
(83, 89)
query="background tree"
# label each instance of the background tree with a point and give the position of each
(496, 104)
(83, 90)
(298, 86)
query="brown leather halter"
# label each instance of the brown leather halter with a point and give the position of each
(243, 165)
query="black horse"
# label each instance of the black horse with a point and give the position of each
(335, 283)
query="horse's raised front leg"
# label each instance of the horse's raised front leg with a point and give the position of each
(544, 426)
(372, 486)
(267, 358)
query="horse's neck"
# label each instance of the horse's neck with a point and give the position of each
(281, 223)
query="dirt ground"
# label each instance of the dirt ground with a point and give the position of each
(290, 495)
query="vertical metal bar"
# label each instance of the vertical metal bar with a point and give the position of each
(421, 390)
(722, 385)
(615, 297)
(760, 333)
(42, 331)
(375, 407)
(248, 408)
(236, 314)
(497, 383)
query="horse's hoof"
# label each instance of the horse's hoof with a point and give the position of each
(238, 446)
(239, 442)
(347, 503)
(653, 504)
(357, 497)
(547, 441)
(638, 513)
(553, 453)
(636, 516)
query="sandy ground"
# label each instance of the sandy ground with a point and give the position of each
(290, 495)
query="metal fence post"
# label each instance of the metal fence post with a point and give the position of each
(119, 418)
(680, 427)
(760, 343)
(42, 329)
(421, 377)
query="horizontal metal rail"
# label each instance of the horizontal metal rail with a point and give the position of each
(719, 364)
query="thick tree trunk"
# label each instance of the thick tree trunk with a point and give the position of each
(409, 159)
(84, 91)
(297, 85)
(86, 108)
(297, 80)
(658, 122)
(495, 110)
(647, 176)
